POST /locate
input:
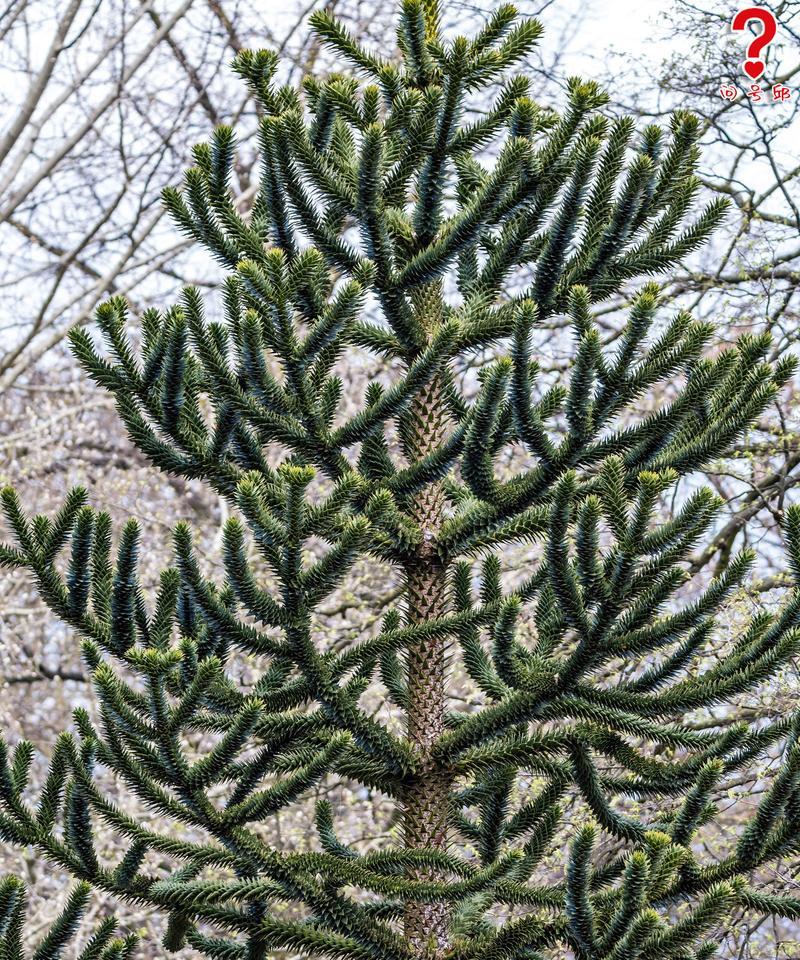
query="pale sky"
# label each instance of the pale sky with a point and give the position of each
(621, 25)
(610, 29)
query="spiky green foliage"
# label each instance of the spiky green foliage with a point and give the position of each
(465, 235)
(101, 944)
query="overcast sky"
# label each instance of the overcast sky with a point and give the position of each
(620, 26)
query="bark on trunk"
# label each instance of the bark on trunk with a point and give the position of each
(427, 797)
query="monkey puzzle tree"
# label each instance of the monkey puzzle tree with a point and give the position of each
(387, 223)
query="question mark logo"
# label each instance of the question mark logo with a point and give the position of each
(753, 66)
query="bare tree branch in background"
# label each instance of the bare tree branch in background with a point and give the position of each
(94, 128)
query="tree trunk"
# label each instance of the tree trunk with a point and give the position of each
(427, 796)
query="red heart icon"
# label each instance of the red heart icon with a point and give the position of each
(753, 68)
